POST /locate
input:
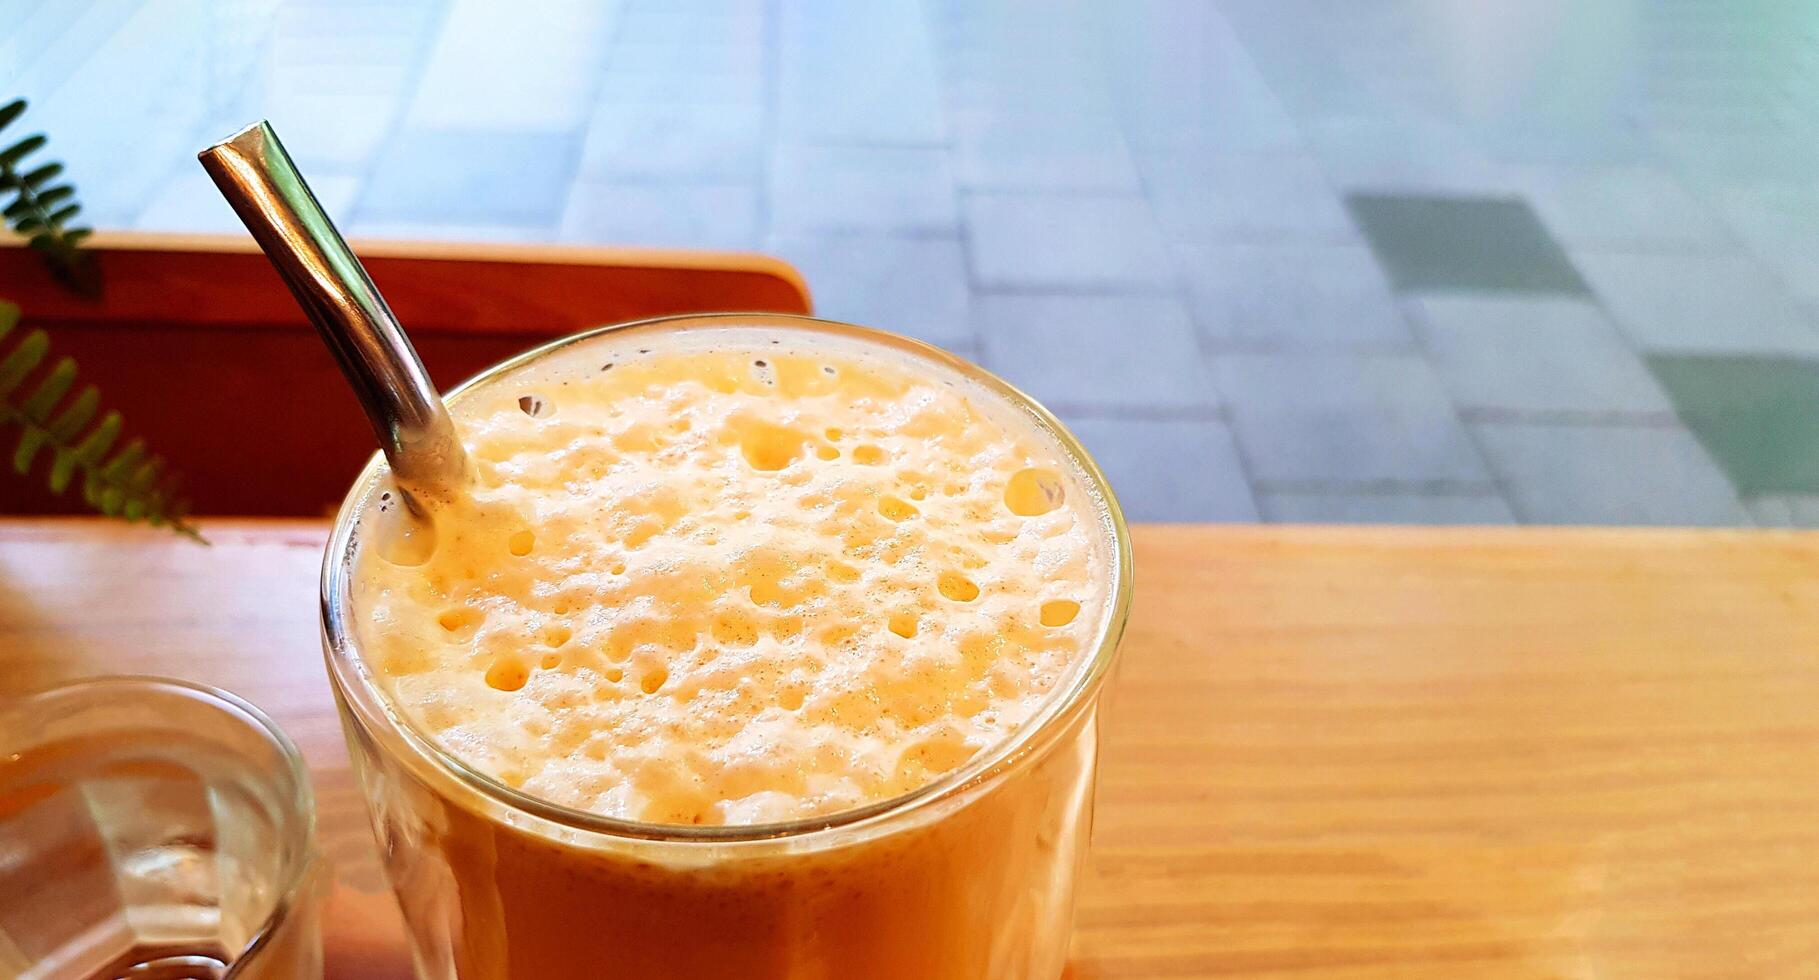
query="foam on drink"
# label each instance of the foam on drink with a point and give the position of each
(731, 581)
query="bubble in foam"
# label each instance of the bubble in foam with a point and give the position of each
(521, 543)
(957, 587)
(403, 537)
(768, 446)
(461, 620)
(1059, 612)
(1034, 491)
(896, 508)
(507, 674)
(735, 627)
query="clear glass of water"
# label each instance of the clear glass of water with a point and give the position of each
(154, 830)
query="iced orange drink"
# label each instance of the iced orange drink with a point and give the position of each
(758, 647)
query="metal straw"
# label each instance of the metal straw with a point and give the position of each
(258, 178)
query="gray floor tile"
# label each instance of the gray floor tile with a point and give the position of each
(424, 231)
(192, 202)
(1079, 353)
(906, 190)
(338, 129)
(707, 215)
(1535, 355)
(1622, 208)
(1344, 420)
(673, 140)
(1292, 296)
(717, 42)
(728, 22)
(1183, 79)
(1709, 304)
(1436, 244)
(1771, 212)
(1406, 154)
(1570, 138)
(471, 177)
(1764, 154)
(857, 73)
(552, 59)
(1610, 475)
(915, 286)
(1779, 221)
(1385, 508)
(1221, 197)
(1787, 510)
(1008, 152)
(689, 81)
(1169, 470)
(1755, 415)
(1041, 241)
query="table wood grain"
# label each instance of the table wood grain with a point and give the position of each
(1332, 752)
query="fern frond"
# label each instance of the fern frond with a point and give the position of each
(22, 359)
(128, 483)
(39, 210)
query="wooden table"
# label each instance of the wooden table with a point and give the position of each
(1333, 752)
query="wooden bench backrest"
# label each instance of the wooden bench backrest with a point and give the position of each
(197, 342)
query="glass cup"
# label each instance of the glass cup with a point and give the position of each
(970, 877)
(154, 829)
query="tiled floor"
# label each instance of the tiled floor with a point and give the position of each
(1384, 260)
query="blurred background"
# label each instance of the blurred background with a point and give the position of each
(1534, 261)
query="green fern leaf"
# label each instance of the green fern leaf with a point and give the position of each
(50, 391)
(20, 150)
(96, 444)
(120, 468)
(9, 317)
(63, 467)
(47, 198)
(11, 111)
(39, 211)
(145, 478)
(76, 415)
(74, 235)
(20, 362)
(31, 439)
(36, 178)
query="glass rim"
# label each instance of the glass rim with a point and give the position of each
(302, 862)
(371, 709)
